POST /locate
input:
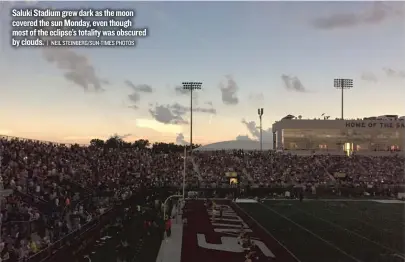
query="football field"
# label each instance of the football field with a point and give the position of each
(334, 231)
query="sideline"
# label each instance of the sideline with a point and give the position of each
(170, 248)
(312, 233)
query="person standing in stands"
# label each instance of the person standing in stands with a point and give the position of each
(214, 208)
(301, 195)
(147, 226)
(221, 210)
(168, 227)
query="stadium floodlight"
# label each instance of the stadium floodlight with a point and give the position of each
(343, 84)
(260, 113)
(191, 86)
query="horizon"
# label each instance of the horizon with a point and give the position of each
(280, 56)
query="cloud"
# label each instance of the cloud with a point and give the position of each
(368, 76)
(180, 139)
(182, 110)
(123, 136)
(181, 91)
(139, 88)
(293, 83)
(254, 131)
(77, 68)
(211, 111)
(258, 97)
(166, 115)
(105, 82)
(158, 126)
(135, 97)
(175, 113)
(229, 91)
(375, 15)
(243, 138)
(394, 73)
(144, 88)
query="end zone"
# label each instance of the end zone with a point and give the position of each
(215, 239)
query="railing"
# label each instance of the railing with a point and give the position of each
(51, 250)
(196, 169)
(74, 242)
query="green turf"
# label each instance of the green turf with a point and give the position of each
(335, 231)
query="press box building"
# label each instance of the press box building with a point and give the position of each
(368, 134)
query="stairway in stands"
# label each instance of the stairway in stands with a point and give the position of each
(245, 171)
(196, 169)
(362, 168)
(325, 169)
(247, 175)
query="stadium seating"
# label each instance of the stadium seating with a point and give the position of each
(58, 188)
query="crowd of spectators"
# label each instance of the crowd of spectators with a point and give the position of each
(50, 190)
(278, 168)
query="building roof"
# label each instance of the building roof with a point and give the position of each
(236, 144)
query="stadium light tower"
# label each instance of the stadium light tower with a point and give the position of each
(260, 113)
(191, 86)
(343, 84)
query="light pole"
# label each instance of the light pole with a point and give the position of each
(260, 113)
(343, 84)
(191, 86)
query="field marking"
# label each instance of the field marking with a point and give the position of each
(312, 233)
(268, 232)
(349, 231)
(370, 223)
(343, 200)
(376, 210)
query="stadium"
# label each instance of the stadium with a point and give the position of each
(242, 203)
(314, 190)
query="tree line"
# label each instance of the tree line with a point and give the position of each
(116, 141)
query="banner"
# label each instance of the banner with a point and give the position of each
(231, 174)
(375, 124)
(340, 175)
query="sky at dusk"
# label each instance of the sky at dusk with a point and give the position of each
(282, 56)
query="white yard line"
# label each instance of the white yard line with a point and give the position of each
(370, 224)
(265, 230)
(348, 231)
(313, 234)
(381, 201)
